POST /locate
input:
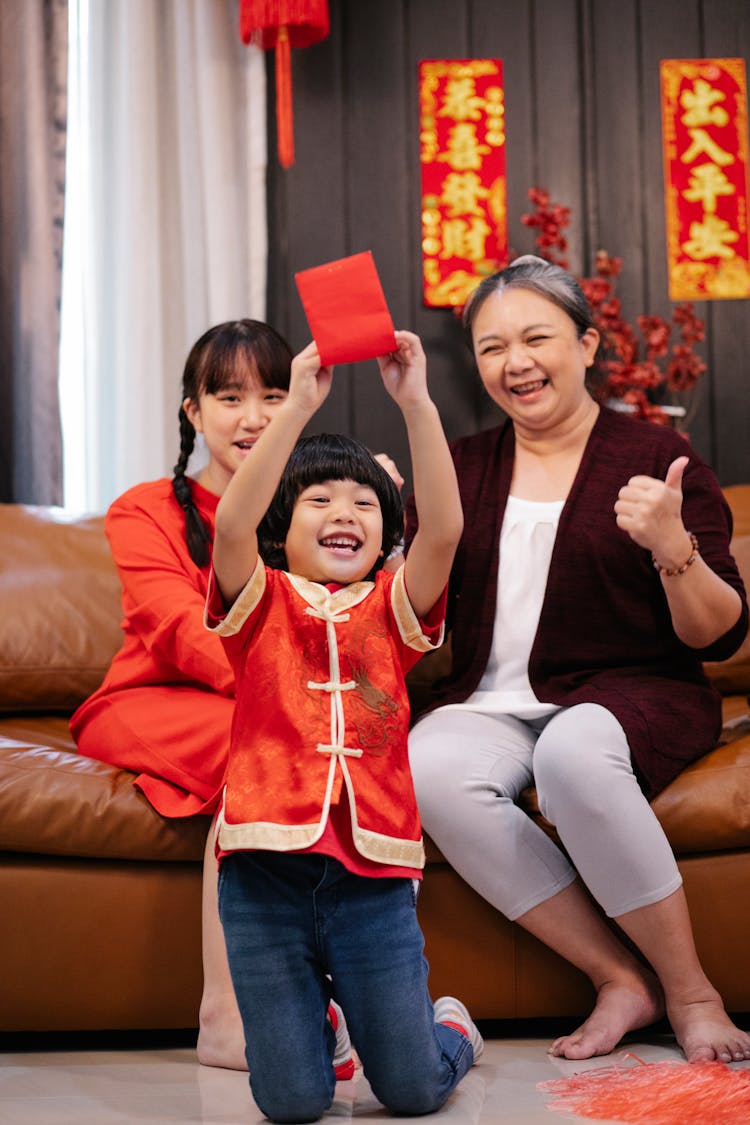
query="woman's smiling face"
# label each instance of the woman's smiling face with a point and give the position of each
(530, 358)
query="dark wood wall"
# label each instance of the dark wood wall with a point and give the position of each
(583, 120)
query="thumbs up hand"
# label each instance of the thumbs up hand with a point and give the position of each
(650, 511)
(675, 473)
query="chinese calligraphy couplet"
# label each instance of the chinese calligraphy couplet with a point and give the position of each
(705, 138)
(462, 155)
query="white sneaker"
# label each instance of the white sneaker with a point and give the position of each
(451, 1011)
(343, 1063)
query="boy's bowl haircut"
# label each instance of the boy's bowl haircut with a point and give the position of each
(322, 457)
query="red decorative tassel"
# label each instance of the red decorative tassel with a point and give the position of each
(668, 1093)
(284, 24)
(284, 113)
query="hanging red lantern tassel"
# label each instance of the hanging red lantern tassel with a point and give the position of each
(284, 115)
(284, 24)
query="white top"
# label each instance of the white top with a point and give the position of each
(527, 538)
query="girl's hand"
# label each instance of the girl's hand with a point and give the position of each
(309, 382)
(404, 372)
(650, 510)
(391, 468)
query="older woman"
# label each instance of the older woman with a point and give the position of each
(593, 579)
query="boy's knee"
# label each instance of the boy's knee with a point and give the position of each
(407, 1094)
(292, 1104)
(293, 1111)
(410, 1103)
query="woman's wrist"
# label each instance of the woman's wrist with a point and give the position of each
(671, 566)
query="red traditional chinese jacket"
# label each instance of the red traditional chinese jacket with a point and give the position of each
(321, 705)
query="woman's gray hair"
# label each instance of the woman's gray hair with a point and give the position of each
(545, 278)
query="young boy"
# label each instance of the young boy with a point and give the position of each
(319, 836)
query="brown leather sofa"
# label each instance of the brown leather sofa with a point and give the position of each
(100, 897)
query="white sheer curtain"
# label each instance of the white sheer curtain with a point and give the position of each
(165, 229)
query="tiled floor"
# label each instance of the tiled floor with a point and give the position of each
(156, 1085)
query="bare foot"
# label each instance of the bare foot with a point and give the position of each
(705, 1032)
(221, 1040)
(621, 1005)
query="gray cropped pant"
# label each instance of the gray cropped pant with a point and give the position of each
(469, 769)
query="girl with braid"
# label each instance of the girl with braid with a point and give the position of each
(165, 707)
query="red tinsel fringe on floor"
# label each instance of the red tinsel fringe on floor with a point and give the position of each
(667, 1093)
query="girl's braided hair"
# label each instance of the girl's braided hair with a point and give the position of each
(222, 357)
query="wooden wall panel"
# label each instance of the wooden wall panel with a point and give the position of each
(308, 222)
(583, 120)
(664, 37)
(616, 159)
(558, 136)
(378, 134)
(506, 31)
(726, 25)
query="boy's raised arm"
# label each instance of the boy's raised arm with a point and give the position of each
(436, 494)
(251, 489)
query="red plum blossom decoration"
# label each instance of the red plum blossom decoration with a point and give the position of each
(635, 361)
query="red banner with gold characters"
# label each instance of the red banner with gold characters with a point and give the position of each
(704, 131)
(462, 154)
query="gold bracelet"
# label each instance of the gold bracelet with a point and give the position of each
(679, 569)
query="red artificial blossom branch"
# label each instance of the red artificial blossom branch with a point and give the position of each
(634, 362)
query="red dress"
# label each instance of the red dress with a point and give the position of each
(165, 707)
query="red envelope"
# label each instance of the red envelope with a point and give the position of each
(346, 309)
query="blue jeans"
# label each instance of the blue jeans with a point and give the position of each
(290, 922)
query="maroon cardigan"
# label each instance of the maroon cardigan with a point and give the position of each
(605, 634)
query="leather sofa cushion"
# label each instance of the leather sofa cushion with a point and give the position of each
(53, 801)
(707, 808)
(59, 607)
(732, 676)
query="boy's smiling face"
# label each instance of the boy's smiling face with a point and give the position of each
(336, 532)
